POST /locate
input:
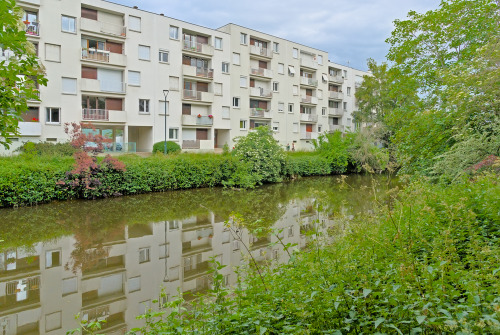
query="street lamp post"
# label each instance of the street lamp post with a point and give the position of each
(165, 93)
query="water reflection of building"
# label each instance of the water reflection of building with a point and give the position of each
(43, 287)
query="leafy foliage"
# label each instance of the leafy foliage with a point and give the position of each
(47, 149)
(172, 147)
(19, 74)
(334, 148)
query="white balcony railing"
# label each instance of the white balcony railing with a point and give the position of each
(261, 72)
(197, 95)
(32, 29)
(335, 127)
(197, 47)
(95, 54)
(307, 99)
(336, 95)
(308, 81)
(259, 51)
(194, 71)
(89, 114)
(310, 63)
(30, 128)
(261, 92)
(336, 79)
(102, 27)
(260, 113)
(332, 111)
(308, 117)
(309, 135)
(197, 120)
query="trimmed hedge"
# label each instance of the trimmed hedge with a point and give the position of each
(30, 180)
(172, 147)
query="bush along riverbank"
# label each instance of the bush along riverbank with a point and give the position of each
(36, 177)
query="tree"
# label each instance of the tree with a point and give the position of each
(19, 74)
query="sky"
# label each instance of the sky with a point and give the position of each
(351, 31)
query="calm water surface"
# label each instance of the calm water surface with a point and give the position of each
(109, 259)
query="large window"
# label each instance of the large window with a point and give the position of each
(53, 115)
(68, 24)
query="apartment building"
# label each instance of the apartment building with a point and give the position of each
(111, 65)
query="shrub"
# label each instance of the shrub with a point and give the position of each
(364, 154)
(264, 155)
(334, 148)
(307, 164)
(172, 147)
(47, 148)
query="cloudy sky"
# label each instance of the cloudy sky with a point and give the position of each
(351, 31)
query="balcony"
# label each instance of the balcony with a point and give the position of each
(198, 96)
(261, 92)
(308, 117)
(309, 136)
(336, 79)
(100, 27)
(307, 99)
(103, 115)
(261, 72)
(258, 51)
(202, 145)
(32, 28)
(309, 63)
(95, 85)
(30, 128)
(335, 95)
(260, 113)
(103, 56)
(335, 112)
(197, 120)
(199, 48)
(308, 81)
(335, 127)
(198, 72)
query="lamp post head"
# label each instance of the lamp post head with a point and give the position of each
(165, 93)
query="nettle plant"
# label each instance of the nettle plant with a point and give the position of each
(90, 178)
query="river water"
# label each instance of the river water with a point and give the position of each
(109, 259)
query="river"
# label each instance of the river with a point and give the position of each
(110, 259)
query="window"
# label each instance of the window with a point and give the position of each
(349, 91)
(134, 284)
(276, 86)
(295, 53)
(143, 106)
(225, 67)
(236, 245)
(319, 128)
(345, 105)
(134, 23)
(173, 133)
(291, 71)
(243, 81)
(52, 52)
(134, 78)
(69, 85)
(68, 24)
(295, 90)
(218, 88)
(236, 58)
(69, 285)
(174, 32)
(88, 13)
(52, 258)
(281, 68)
(218, 43)
(290, 231)
(236, 102)
(163, 56)
(174, 83)
(173, 225)
(295, 127)
(225, 112)
(144, 255)
(144, 52)
(281, 107)
(53, 321)
(53, 115)
(290, 108)
(323, 111)
(276, 47)
(276, 126)
(345, 74)
(243, 124)
(173, 273)
(243, 38)
(320, 59)
(324, 77)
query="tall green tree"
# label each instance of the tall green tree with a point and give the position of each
(18, 74)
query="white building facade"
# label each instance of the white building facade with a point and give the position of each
(110, 65)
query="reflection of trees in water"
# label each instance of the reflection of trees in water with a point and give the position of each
(90, 221)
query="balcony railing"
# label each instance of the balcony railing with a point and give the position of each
(95, 114)
(261, 92)
(259, 51)
(310, 63)
(335, 111)
(197, 47)
(308, 81)
(30, 128)
(198, 95)
(308, 117)
(309, 99)
(194, 71)
(260, 112)
(309, 136)
(336, 79)
(95, 54)
(336, 95)
(197, 120)
(102, 27)
(32, 29)
(335, 127)
(261, 72)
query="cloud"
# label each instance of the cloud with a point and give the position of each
(350, 31)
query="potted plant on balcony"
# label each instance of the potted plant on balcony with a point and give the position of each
(199, 115)
(211, 235)
(34, 119)
(199, 238)
(210, 116)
